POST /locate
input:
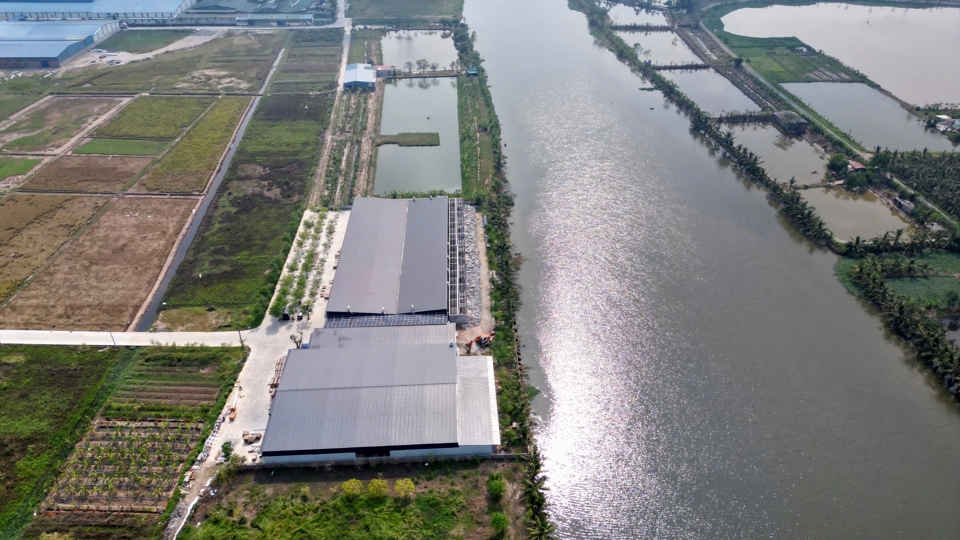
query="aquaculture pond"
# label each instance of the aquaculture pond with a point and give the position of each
(783, 156)
(420, 106)
(703, 373)
(621, 14)
(905, 50)
(712, 92)
(869, 116)
(412, 45)
(850, 214)
(660, 47)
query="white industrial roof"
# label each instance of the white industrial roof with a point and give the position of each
(96, 6)
(49, 30)
(360, 73)
(33, 49)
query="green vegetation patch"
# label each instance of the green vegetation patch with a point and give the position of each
(926, 289)
(479, 130)
(16, 166)
(47, 397)
(10, 104)
(936, 176)
(123, 147)
(361, 43)
(143, 41)
(373, 10)
(310, 63)
(155, 117)
(410, 139)
(188, 167)
(242, 242)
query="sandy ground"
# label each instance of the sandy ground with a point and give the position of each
(85, 59)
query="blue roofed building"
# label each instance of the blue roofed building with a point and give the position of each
(360, 76)
(47, 44)
(137, 11)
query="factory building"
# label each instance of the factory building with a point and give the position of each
(395, 392)
(401, 264)
(133, 11)
(360, 76)
(47, 44)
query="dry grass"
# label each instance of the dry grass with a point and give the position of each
(87, 174)
(53, 123)
(32, 229)
(104, 277)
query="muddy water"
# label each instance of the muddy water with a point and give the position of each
(714, 93)
(849, 214)
(660, 47)
(420, 106)
(904, 50)
(784, 157)
(412, 45)
(868, 116)
(704, 374)
(621, 14)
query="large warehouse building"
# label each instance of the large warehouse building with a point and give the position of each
(135, 11)
(47, 44)
(401, 264)
(382, 392)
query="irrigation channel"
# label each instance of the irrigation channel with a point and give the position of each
(703, 373)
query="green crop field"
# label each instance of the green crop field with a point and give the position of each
(188, 167)
(243, 240)
(10, 104)
(137, 42)
(47, 397)
(155, 117)
(310, 63)
(123, 147)
(360, 40)
(404, 9)
(16, 166)
(926, 289)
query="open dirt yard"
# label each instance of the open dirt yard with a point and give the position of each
(33, 227)
(87, 173)
(53, 122)
(102, 279)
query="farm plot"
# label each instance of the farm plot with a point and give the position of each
(48, 395)
(243, 241)
(122, 147)
(311, 63)
(133, 457)
(92, 174)
(136, 42)
(154, 117)
(53, 123)
(13, 169)
(188, 167)
(237, 62)
(103, 278)
(33, 227)
(12, 103)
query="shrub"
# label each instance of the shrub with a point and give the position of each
(377, 487)
(496, 486)
(404, 487)
(352, 487)
(500, 523)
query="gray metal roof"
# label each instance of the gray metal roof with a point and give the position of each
(393, 336)
(34, 49)
(355, 418)
(477, 421)
(360, 73)
(96, 6)
(393, 257)
(49, 30)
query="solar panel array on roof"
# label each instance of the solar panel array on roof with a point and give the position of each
(403, 319)
(393, 260)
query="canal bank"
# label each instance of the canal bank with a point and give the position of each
(703, 373)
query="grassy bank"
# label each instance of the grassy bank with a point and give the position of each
(47, 397)
(138, 42)
(236, 259)
(410, 139)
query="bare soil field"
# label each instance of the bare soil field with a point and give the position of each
(52, 123)
(32, 229)
(103, 278)
(97, 174)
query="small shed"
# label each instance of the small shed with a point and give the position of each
(360, 76)
(856, 166)
(791, 122)
(384, 71)
(472, 71)
(904, 205)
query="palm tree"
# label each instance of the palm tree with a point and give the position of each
(855, 247)
(540, 528)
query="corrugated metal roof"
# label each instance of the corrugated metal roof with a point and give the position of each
(321, 369)
(477, 422)
(34, 49)
(96, 6)
(393, 256)
(324, 338)
(49, 30)
(355, 418)
(360, 73)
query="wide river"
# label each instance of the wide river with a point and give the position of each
(704, 374)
